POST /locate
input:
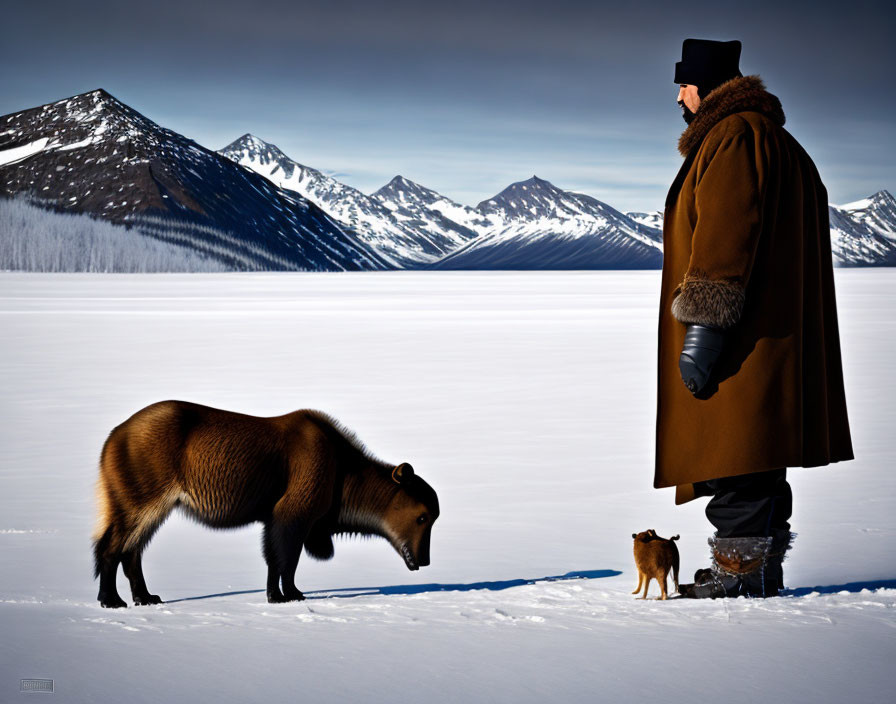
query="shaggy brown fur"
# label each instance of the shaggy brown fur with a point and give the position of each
(737, 95)
(705, 301)
(302, 475)
(654, 557)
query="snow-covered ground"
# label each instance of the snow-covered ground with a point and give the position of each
(526, 399)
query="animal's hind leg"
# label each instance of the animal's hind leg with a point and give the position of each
(662, 582)
(132, 563)
(108, 555)
(149, 519)
(640, 582)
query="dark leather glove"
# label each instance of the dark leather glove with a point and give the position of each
(702, 347)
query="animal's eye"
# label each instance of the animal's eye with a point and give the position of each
(421, 519)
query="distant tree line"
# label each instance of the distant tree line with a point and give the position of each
(35, 239)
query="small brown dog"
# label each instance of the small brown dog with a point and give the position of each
(654, 557)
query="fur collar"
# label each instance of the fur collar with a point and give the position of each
(737, 95)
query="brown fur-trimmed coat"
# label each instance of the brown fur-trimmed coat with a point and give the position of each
(747, 248)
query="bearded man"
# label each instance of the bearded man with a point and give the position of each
(750, 380)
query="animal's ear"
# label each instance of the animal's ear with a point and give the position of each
(402, 473)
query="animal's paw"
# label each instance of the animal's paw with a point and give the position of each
(147, 600)
(293, 595)
(112, 602)
(278, 598)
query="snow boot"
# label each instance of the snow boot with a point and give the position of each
(745, 566)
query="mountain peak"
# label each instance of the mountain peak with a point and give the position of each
(95, 101)
(884, 196)
(882, 199)
(399, 184)
(253, 146)
(100, 93)
(522, 190)
(249, 139)
(400, 181)
(98, 98)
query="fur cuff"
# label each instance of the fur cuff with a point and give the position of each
(717, 304)
(740, 556)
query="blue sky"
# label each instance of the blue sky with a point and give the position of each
(467, 97)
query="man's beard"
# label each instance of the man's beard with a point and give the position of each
(686, 113)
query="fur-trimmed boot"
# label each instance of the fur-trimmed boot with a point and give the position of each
(749, 566)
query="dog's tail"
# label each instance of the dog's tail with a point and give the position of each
(675, 537)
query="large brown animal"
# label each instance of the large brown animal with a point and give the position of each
(302, 475)
(654, 558)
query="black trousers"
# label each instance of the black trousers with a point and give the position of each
(749, 504)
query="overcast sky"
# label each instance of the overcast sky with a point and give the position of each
(466, 97)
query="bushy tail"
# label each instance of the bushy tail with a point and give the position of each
(100, 546)
(102, 532)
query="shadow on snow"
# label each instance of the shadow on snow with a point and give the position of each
(852, 587)
(407, 589)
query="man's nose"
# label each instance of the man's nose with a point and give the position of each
(680, 95)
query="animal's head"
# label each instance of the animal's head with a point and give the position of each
(410, 515)
(645, 536)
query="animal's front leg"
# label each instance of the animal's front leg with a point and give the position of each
(274, 594)
(288, 575)
(283, 546)
(270, 557)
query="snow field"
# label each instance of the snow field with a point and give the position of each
(514, 396)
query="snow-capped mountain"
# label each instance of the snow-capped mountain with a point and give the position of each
(548, 228)
(442, 218)
(251, 206)
(877, 213)
(863, 233)
(408, 224)
(653, 221)
(93, 154)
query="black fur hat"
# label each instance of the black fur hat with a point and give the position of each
(707, 64)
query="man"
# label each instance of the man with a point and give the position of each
(749, 371)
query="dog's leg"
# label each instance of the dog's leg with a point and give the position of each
(640, 582)
(663, 595)
(646, 586)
